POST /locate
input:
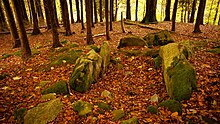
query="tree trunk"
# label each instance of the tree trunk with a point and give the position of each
(116, 10)
(122, 23)
(26, 51)
(95, 12)
(136, 11)
(46, 8)
(29, 7)
(82, 23)
(92, 19)
(193, 11)
(71, 11)
(128, 10)
(107, 20)
(182, 4)
(39, 9)
(210, 10)
(100, 10)
(23, 10)
(2, 19)
(12, 25)
(77, 12)
(200, 15)
(36, 29)
(216, 12)
(55, 15)
(150, 15)
(167, 11)
(219, 20)
(65, 16)
(111, 14)
(88, 22)
(174, 15)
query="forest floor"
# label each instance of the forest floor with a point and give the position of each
(132, 84)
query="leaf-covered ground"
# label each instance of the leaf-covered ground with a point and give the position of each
(132, 80)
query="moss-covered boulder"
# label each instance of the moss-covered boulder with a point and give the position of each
(106, 94)
(49, 96)
(158, 39)
(133, 120)
(105, 54)
(44, 112)
(172, 105)
(19, 115)
(104, 106)
(83, 108)
(152, 109)
(117, 114)
(59, 87)
(179, 75)
(132, 41)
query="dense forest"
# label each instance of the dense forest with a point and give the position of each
(109, 61)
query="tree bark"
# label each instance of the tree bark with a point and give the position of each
(100, 10)
(65, 17)
(95, 12)
(30, 13)
(2, 19)
(200, 15)
(216, 12)
(111, 14)
(39, 9)
(26, 51)
(122, 23)
(167, 11)
(55, 15)
(12, 25)
(82, 23)
(193, 11)
(71, 11)
(128, 10)
(116, 10)
(36, 29)
(89, 38)
(136, 11)
(77, 12)
(92, 19)
(46, 8)
(150, 15)
(210, 10)
(23, 10)
(219, 20)
(174, 15)
(107, 20)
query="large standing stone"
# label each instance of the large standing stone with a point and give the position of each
(44, 112)
(105, 54)
(132, 41)
(179, 75)
(59, 87)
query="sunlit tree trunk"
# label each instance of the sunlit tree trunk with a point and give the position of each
(82, 23)
(200, 15)
(174, 15)
(77, 12)
(128, 10)
(65, 16)
(39, 9)
(216, 12)
(100, 10)
(2, 19)
(23, 10)
(136, 11)
(107, 20)
(182, 4)
(30, 13)
(26, 51)
(116, 10)
(71, 11)
(95, 11)
(12, 25)
(193, 11)
(92, 18)
(210, 10)
(167, 11)
(55, 15)
(150, 15)
(89, 38)
(46, 8)
(36, 29)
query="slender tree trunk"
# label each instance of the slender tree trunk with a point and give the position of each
(26, 51)
(23, 10)
(107, 20)
(95, 12)
(66, 20)
(200, 15)
(71, 11)
(39, 9)
(122, 23)
(193, 11)
(12, 25)
(82, 23)
(77, 12)
(182, 11)
(111, 14)
(174, 15)
(46, 8)
(55, 34)
(36, 29)
(55, 15)
(167, 11)
(2, 19)
(219, 20)
(88, 22)
(216, 12)
(210, 10)
(100, 10)
(92, 19)
(136, 11)
(62, 2)
(185, 10)
(116, 10)
(128, 10)
(30, 13)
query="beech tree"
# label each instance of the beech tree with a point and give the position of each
(23, 10)
(2, 19)
(111, 14)
(100, 10)
(106, 20)
(12, 25)
(65, 17)
(128, 10)
(71, 11)
(200, 15)
(46, 8)
(216, 12)
(88, 22)
(25, 48)
(39, 9)
(95, 11)
(82, 23)
(77, 11)
(150, 15)
(91, 9)
(36, 29)
(174, 15)
(167, 11)
(191, 20)
(136, 11)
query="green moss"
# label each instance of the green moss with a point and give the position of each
(83, 108)
(172, 105)
(152, 109)
(3, 76)
(152, 53)
(74, 45)
(18, 53)
(19, 115)
(133, 120)
(131, 52)
(104, 106)
(64, 41)
(58, 88)
(215, 50)
(157, 62)
(96, 48)
(117, 114)
(5, 56)
(132, 41)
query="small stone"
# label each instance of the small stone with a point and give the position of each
(154, 98)
(106, 94)
(117, 114)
